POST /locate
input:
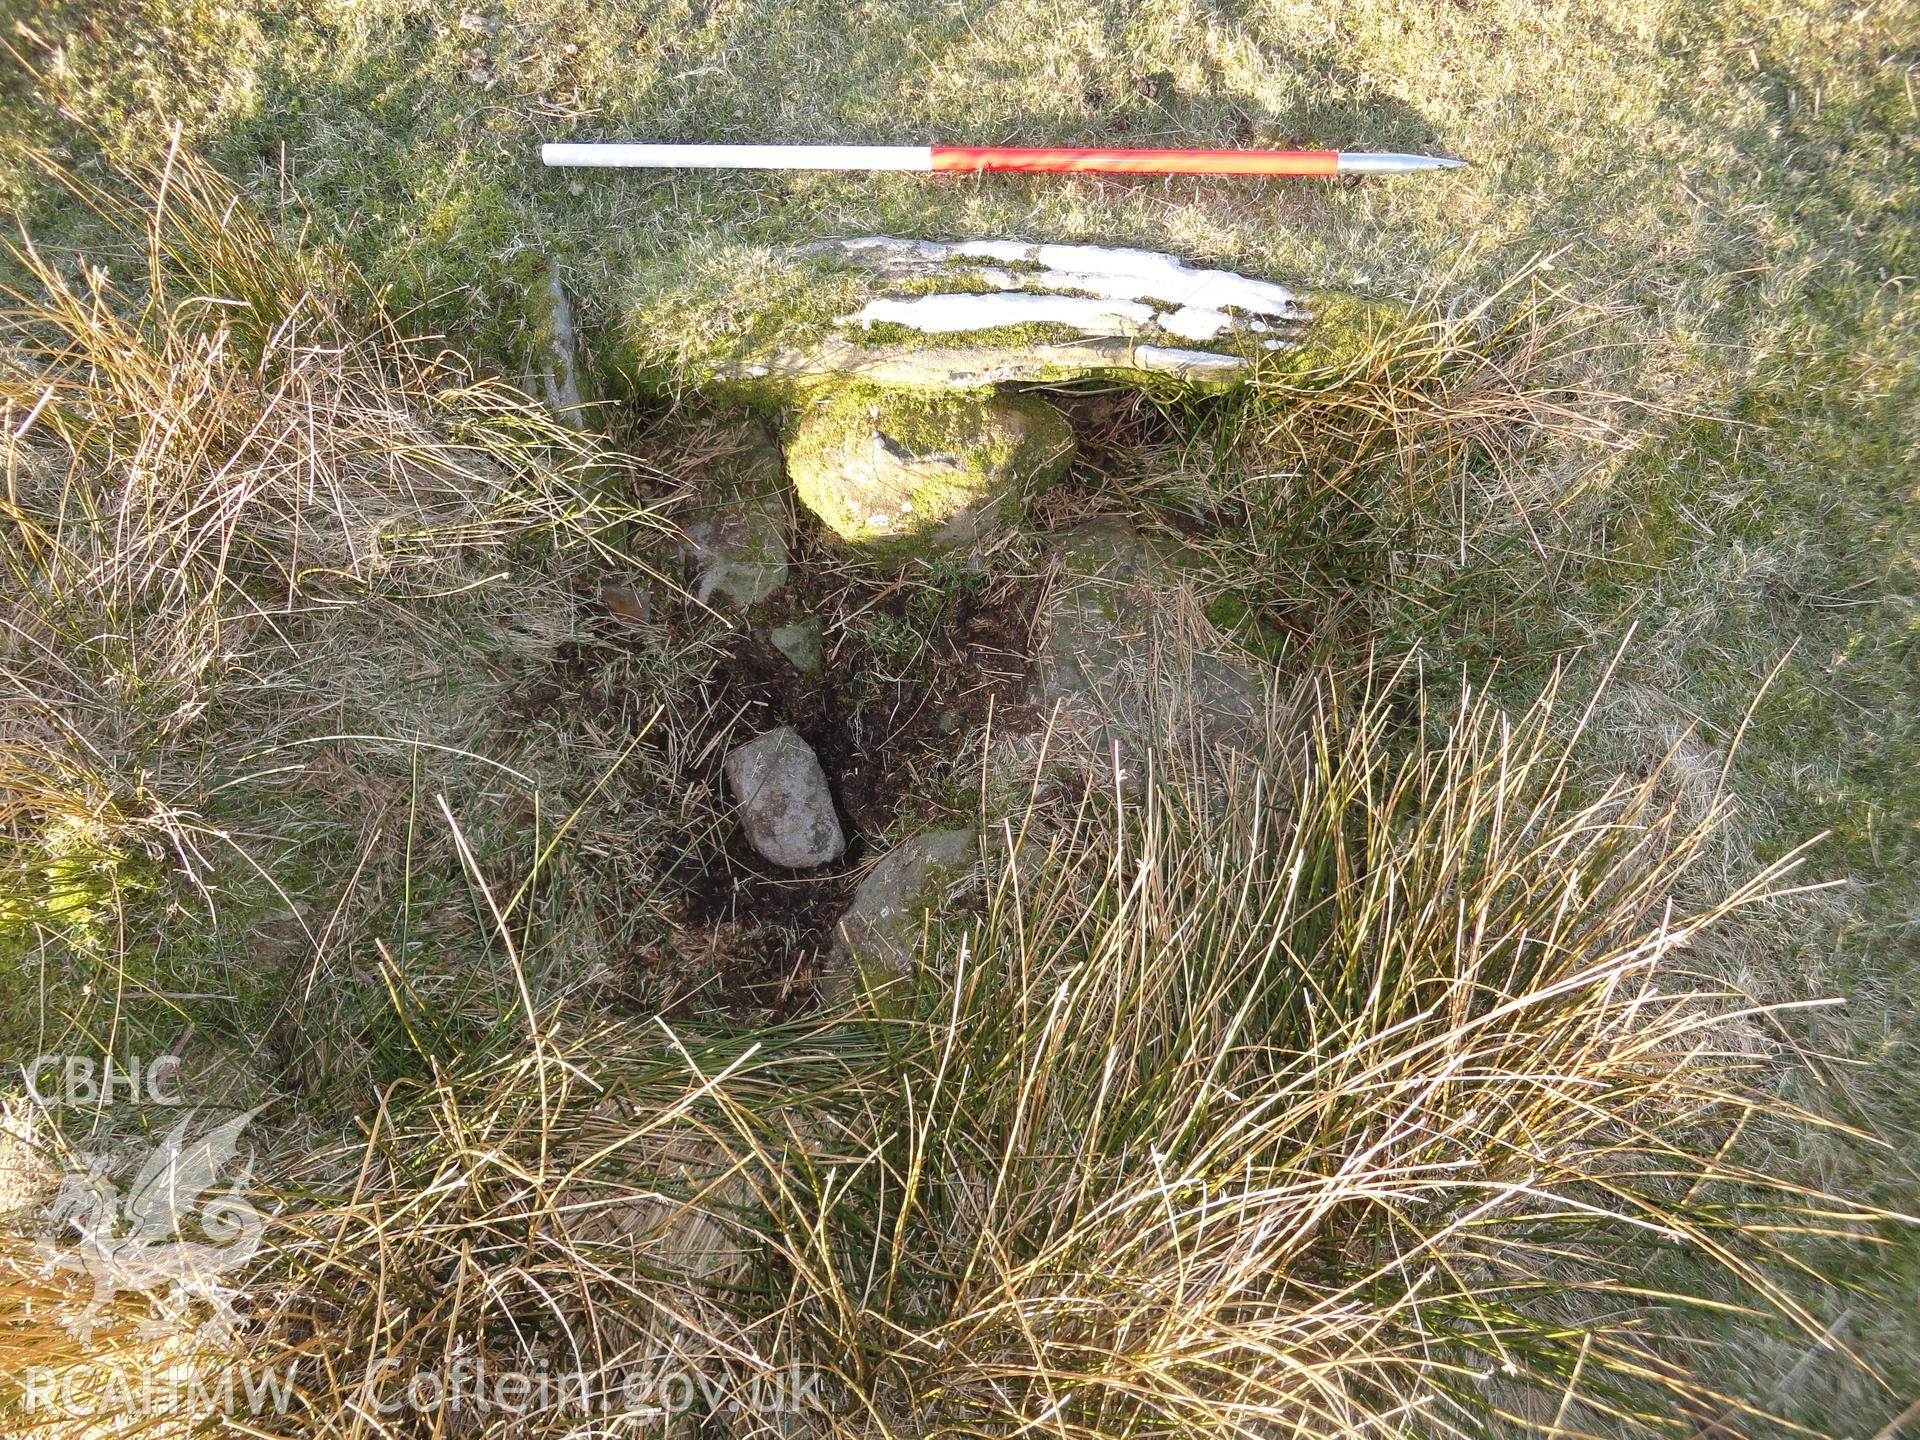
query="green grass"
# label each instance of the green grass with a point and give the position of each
(1730, 196)
(422, 133)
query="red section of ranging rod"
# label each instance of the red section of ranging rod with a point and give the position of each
(1054, 160)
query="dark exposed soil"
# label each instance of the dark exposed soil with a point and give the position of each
(916, 667)
(870, 721)
(1108, 425)
(914, 670)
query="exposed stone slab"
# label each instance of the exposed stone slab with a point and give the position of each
(1091, 287)
(935, 314)
(944, 367)
(1127, 658)
(559, 377)
(738, 552)
(882, 926)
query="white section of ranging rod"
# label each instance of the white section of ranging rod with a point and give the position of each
(741, 157)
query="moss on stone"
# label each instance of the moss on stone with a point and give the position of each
(906, 474)
(729, 326)
(680, 334)
(61, 896)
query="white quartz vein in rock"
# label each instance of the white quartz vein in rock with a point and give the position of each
(1119, 273)
(946, 314)
(1193, 304)
(1195, 322)
(1113, 271)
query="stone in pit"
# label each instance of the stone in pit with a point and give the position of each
(900, 474)
(785, 805)
(883, 924)
(739, 552)
(1128, 657)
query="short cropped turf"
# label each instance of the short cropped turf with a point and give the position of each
(1721, 204)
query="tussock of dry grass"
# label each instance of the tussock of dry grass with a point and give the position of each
(1448, 393)
(1406, 462)
(1361, 1092)
(243, 514)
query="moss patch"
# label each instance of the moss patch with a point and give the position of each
(903, 474)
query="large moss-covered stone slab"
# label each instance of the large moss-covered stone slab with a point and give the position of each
(775, 326)
(901, 474)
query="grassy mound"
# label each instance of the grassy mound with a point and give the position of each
(1368, 1085)
(1395, 1085)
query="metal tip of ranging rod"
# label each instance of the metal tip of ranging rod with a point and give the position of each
(1362, 163)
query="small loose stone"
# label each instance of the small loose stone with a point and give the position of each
(802, 643)
(786, 807)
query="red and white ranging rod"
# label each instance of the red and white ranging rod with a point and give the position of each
(951, 158)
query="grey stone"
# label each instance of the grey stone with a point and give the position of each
(745, 467)
(560, 366)
(882, 926)
(1128, 657)
(802, 644)
(785, 805)
(739, 552)
(901, 475)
